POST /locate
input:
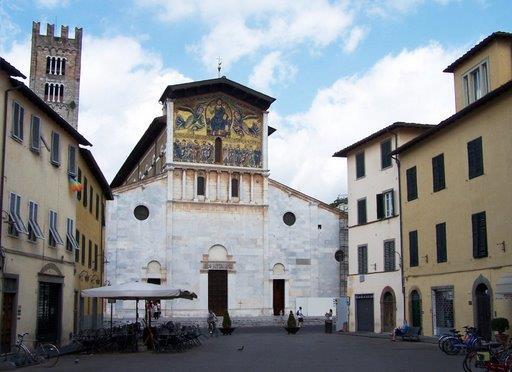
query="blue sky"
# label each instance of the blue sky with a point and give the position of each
(339, 69)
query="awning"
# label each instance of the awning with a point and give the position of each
(504, 286)
(138, 291)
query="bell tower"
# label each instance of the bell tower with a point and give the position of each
(55, 65)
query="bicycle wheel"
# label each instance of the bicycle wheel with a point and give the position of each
(449, 346)
(469, 362)
(48, 354)
(19, 356)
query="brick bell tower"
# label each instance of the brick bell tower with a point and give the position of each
(55, 69)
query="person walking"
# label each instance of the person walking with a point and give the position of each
(300, 316)
(328, 321)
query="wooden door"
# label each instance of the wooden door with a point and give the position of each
(483, 311)
(415, 309)
(218, 291)
(7, 321)
(278, 296)
(388, 312)
(48, 312)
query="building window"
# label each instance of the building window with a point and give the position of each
(89, 258)
(438, 172)
(91, 194)
(55, 151)
(95, 257)
(475, 83)
(218, 150)
(85, 192)
(200, 185)
(412, 184)
(361, 211)
(53, 231)
(16, 225)
(18, 114)
(79, 177)
(360, 170)
(475, 158)
(55, 65)
(71, 244)
(479, 224)
(72, 160)
(97, 207)
(35, 134)
(385, 204)
(54, 92)
(77, 249)
(83, 249)
(141, 212)
(413, 248)
(102, 214)
(441, 242)
(389, 255)
(34, 230)
(362, 259)
(385, 154)
(234, 188)
(289, 218)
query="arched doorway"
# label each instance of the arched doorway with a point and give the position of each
(218, 280)
(415, 309)
(388, 309)
(278, 298)
(483, 310)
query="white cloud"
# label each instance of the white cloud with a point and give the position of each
(236, 30)
(52, 3)
(356, 35)
(409, 86)
(120, 86)
(271, 70)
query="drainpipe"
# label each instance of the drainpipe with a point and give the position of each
(401, 233)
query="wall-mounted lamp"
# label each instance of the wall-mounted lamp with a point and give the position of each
(502, 245)
(426, 258)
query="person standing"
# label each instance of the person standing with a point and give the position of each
(328, 321)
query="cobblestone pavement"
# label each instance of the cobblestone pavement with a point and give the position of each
(271, 349)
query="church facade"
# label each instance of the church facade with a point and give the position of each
(194, 208)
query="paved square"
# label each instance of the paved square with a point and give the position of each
(271, 349)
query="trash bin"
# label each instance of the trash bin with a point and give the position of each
(328, 326)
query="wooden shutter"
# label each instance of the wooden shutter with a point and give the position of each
(441, 242)
(479, 235)
(412, 184)
(385, 154)
(35, 133)
(360, 171)
(72, 160)
(413, 248)
(380, 206)
(55, 148)
(475, 158)
(389, 256)
(361, 211)
(362, 259)
(438, 172)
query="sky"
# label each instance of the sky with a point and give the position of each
(339, 70)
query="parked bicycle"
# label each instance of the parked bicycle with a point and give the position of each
(492, 357)
(455, 344)
(44, 353)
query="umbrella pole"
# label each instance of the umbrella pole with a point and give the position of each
(111, 310)
(137, 311)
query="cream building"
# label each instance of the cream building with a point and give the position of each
(456, 218)
(374, 258)
(194, 208)
(38, 214)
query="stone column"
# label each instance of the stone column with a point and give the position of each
(240, 187)
(251, 190)
(229, 185)
(194, 188)
(183, 184)
(218, 186)
(207, 185)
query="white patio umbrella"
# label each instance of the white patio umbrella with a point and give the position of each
(137, 291)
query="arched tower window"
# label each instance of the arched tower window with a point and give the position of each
(54, 62)
(46, 90)
(234, 188)
(48, 63)
(200, 185)
(61, 93)
(218, 150)
(63, 67)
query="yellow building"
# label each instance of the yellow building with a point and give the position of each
(39, 155)
(90, 234)
(455, 200)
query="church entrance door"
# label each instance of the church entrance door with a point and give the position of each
(218, 291)
(278, 299)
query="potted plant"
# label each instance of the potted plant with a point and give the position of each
(500, 325)
(226, 324)
(291, 324)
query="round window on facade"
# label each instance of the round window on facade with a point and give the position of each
(141, 212)
(289, 218)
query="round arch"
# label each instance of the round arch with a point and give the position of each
(388, 309)
(482, 295)
(415, 306)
